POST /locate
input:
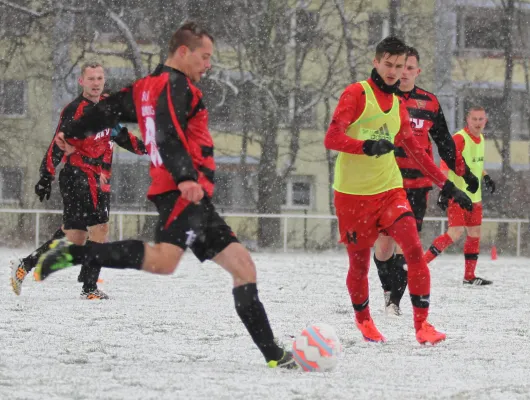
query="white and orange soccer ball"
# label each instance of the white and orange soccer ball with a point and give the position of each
(317, 348)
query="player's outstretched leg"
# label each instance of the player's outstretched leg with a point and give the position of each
(21, 267)
(252, 313)
(236, 259)
(357, 283)
(133, 254)
(58, 257)
(126, 254)
(419, 280)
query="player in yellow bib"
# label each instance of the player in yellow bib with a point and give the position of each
(367, 124)
(470, 142)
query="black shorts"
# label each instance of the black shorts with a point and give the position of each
(197, 226)
(84, 203)
(418, 202)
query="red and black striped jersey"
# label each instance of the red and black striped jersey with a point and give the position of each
(427, 121)
(88, 154)
(174, 125)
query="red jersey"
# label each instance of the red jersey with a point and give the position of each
(351, 105)
(89, 152)
(427, 121)
(174, 124)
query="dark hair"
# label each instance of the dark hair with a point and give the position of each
(390, 45)
(475, 108)
(190, 35)
(412, 52)
(90, 64)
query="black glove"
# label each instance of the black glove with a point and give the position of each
(122, 135)
(471, 180)
(43, 188)
(122, 139)
(377, 147)
(450, 191)
(400, 152)
(490, 184)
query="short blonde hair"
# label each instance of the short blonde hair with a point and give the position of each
(90, 64)
(475, 108)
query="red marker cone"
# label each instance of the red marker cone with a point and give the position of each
(493, 252)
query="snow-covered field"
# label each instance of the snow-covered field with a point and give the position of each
(179, 337)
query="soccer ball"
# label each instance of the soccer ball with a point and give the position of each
(317, 348)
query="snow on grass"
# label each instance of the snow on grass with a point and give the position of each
(163, 337)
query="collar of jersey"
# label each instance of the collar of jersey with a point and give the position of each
(380, 83)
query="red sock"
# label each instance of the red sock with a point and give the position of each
(420, 315)
(441, 243)
(406, 236)
(357, 282)
(471, 251)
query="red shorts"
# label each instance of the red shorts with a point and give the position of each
(460, 217)
(362, 218)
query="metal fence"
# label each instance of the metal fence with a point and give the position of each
(298, 231)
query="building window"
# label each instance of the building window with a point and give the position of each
(12, 98)
(378, 28)
(298, 192)
(479, 28)
(10, 184)
(130, 180)
(231, 192)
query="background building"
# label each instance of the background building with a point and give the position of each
(279, 69)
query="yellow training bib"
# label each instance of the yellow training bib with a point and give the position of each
(474, 155)
(366, 175)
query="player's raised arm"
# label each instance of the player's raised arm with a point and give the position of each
(118, 107)
(128, 141)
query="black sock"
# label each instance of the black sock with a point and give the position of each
(398, 278)
(89, 274)
(253, 315)
(383, 270)
(90, 279)
(119, 255)
(31, 261)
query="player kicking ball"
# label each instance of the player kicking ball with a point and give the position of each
(170, 112)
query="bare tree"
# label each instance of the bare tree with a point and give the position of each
(272, 42)
(394, 12)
